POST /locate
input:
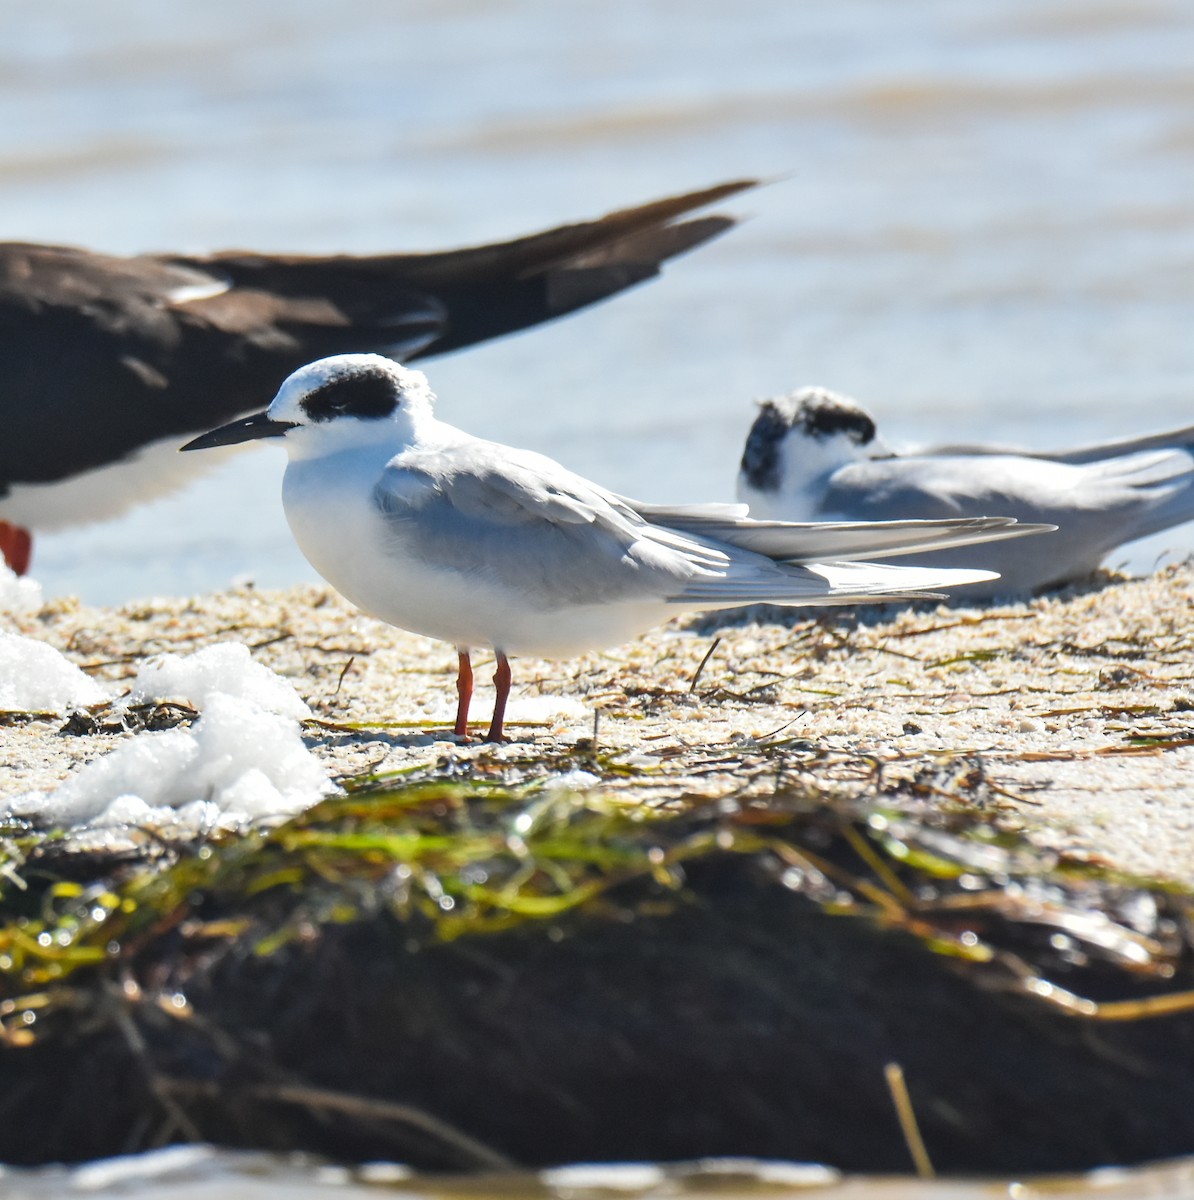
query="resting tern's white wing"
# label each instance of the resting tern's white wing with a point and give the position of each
(1097, 506)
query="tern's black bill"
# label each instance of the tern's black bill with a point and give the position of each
(247, 429)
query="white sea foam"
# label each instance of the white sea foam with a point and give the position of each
(18, 593)
(242, 761)
(34, 677)
(237, 764)
(223, 669)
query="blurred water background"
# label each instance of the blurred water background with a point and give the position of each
(983, 224)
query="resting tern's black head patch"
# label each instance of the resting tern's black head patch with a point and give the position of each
(823, 414)
(362, 393)
(813, 411)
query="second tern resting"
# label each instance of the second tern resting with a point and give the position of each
(478, 544)
(815, 456)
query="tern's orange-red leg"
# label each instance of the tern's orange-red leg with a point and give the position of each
(464, 689)
(501, 681)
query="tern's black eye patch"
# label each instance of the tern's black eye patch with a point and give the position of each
(371, 394)
(824, 416)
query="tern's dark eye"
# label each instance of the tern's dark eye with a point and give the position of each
(371, 394)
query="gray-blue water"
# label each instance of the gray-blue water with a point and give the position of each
(984, 225)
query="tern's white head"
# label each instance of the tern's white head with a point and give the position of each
(341, 401)
(336, 403)
(797, 441)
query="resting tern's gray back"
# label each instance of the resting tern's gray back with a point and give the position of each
(1097, 506)
(1173, 439)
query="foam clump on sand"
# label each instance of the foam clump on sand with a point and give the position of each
(224, 669)
(242, 761)
(34, 677)
(18, 593)
(237, 764)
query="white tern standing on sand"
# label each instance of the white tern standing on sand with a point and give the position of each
(815, 456)
(479, 544)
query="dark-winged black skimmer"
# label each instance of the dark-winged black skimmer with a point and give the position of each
(108, 363)
(816, 456)
(482, 545)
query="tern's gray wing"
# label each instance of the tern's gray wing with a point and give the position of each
(524, 522)
(933, 487)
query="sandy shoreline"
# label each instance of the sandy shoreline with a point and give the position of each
(1072, 715)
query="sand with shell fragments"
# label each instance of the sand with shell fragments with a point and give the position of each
(1072, 715)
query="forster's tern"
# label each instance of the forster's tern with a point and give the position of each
(479, 544)
(109, 362)
(815, 456)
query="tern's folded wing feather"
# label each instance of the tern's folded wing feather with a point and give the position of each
(795, 542)
(827, 583)
(531, 527)
(485, 479)
(677, 515)
(1143, 469)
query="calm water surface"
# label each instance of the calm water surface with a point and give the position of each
(984, 223)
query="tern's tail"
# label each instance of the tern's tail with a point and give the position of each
(832, 541)
(818, 564)
(821, 584)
